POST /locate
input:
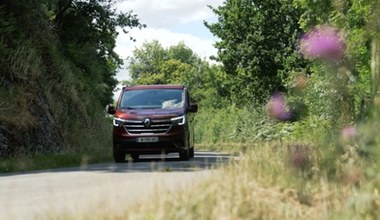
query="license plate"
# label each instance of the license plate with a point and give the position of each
(147, 139)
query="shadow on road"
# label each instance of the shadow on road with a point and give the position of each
(149, 163)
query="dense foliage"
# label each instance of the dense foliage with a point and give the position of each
(57, 73)
(326, 61)
(323, 56)
(87, 32)
(257, 46)
(178, 64)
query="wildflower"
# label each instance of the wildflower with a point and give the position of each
(323, 43)
(299, 156)
(277, 108)
(348, 133)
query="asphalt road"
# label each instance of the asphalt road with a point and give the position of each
(100, 188)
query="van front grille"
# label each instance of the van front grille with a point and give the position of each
(155, 126)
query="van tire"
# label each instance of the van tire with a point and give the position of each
(119, 157)
(191, 153)
(184, 155)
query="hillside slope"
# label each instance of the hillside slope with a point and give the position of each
(57, 74)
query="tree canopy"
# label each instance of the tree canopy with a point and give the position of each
(178, 64)
(88, 31)
(257, 45)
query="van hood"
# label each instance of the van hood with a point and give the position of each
(143, 113)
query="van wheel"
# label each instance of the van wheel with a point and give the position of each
(118, 156)
(184, 155)
(191, 153)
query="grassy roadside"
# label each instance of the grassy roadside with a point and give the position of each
(91, 147)
(61, 160)
(229, 147)
(41, 162)
(52, 161)
(270, 181)
(262, 185)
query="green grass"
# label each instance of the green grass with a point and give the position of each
(41, 162)
(227, 147)
(37, 80)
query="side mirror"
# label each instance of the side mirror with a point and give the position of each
(193, 107)
(111, 109)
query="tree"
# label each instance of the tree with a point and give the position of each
(58, 67)
(257, 46)
(146, 60)
(353, 19)
(153, 64)
(87, 30)
(178, 64)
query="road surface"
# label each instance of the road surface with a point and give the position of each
(97, 188)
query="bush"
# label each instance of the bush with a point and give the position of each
(234, 124)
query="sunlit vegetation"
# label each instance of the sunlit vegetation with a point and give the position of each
(302, 114)
(57, 74)
(295, 94)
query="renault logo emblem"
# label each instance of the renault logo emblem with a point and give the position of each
(147, 122)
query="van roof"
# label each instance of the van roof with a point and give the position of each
(141, 87)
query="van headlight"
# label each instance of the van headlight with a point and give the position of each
(117, 122)
(181, 120)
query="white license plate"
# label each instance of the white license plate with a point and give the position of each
(147, 139)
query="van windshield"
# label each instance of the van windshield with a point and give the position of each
(152, 99)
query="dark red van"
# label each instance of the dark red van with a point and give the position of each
(153, 119)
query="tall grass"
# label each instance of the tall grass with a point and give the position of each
(233, 124)
(262, 184)
(306, 169)
(276, 180)
(241, 126)
(81, 119)
(38, 81)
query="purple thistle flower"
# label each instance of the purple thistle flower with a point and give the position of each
(277, 108)
(323, 43)
(348, 133)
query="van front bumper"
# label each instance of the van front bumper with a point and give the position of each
(167, 143)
